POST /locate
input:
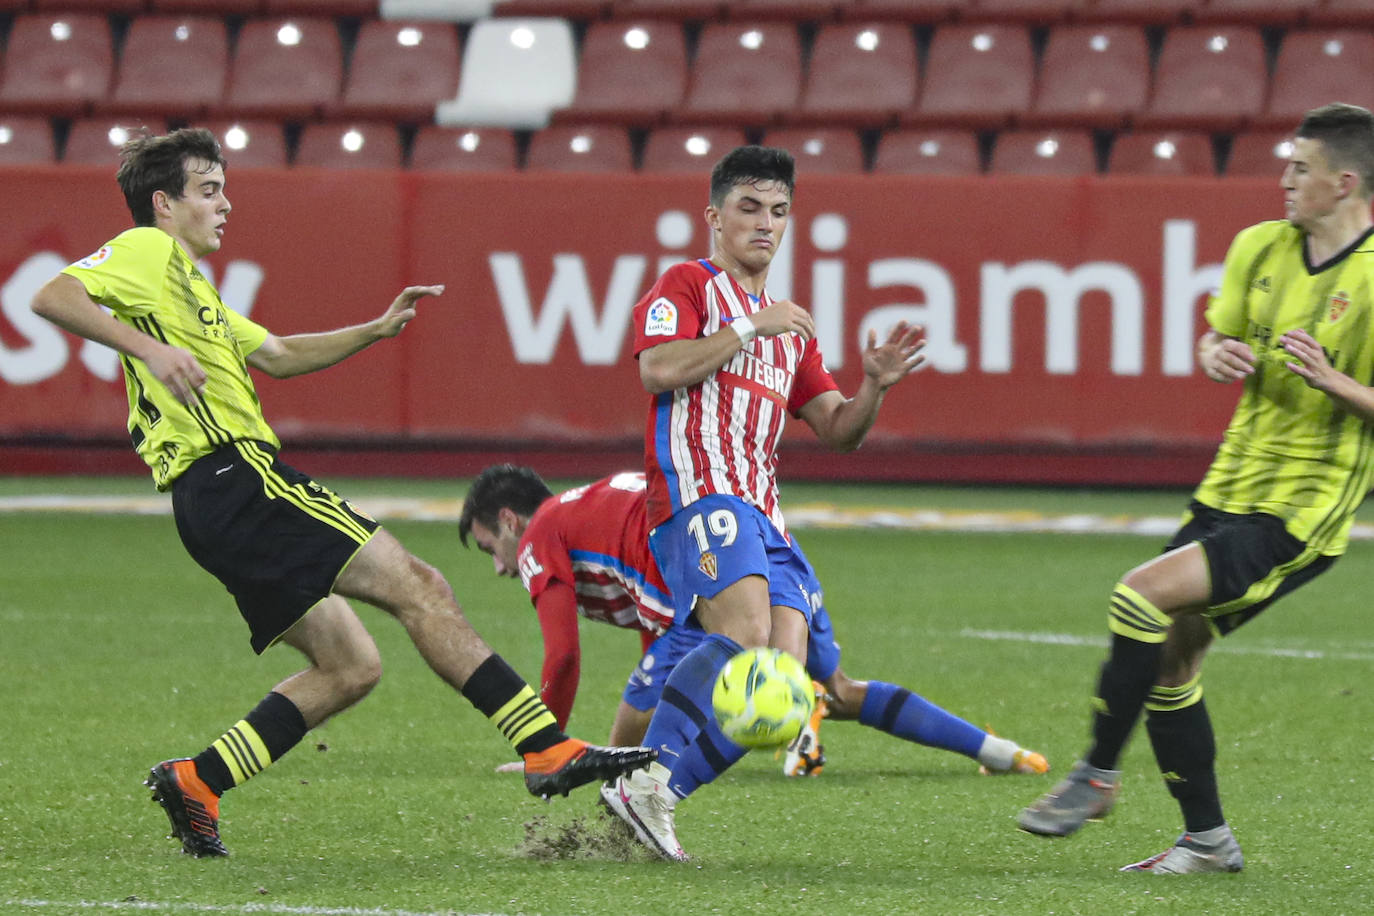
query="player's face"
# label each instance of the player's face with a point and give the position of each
(197, 218)
(1311, 188)
(502, 545)
(747, 227)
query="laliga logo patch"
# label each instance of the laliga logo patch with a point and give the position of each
(707, 565)
(661, 321)
(1339, 303)
(99, 257)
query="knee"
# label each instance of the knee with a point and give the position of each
(356, 679)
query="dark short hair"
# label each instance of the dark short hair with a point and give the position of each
(150, 163)
(750, 165)
(501, 486)
(1346, 133)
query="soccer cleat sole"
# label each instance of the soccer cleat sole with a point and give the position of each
(594, 764)
(168, 794)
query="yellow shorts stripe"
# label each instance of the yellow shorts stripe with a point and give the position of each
(1265, 588)
(323, 505)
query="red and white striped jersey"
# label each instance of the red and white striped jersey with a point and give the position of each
(721, 435)
(594, 539)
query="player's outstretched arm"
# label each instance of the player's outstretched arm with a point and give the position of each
(842, 423)
(63, 301)
(1310, 363)
(297, 354)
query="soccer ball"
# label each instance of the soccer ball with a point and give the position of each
(762, 698)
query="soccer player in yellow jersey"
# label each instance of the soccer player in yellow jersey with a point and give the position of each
(288, 550)
(1294, 322)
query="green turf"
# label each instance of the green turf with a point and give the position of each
(118, 651)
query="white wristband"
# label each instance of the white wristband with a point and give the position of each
(744, 328)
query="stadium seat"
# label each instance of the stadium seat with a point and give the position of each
(1316, 66)
(589, 148)
(1091, 76)
(123, 7)
(744, 73)
(1255, 12)
(1142, 12)
(96, 140)
(26, 140)
(688, 149)
(820, 150)
(359, 9)
(249, 144)
(1055, 152)
(975, 76)
(1040, 12)
(463, 149)
(692, 10)
(578, 10)
(57, 64)
(1259, 153)
(399, 71)
(1342, 13)
(516, 73)
(1164, 153)
(859, 75)
(914, 11)
(789, 10)
(349, 145)
(288, 68)
(915, 151)
(1211, 77)
(630, 72)
(442, 10)
(195, 48)
(206, 7)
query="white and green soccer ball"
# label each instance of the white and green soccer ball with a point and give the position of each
(762, 698)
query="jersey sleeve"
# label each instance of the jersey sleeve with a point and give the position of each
(127, 273)
(557, 609)
(1226, 307)
(673, 309)
(248, 333)
(812, 379)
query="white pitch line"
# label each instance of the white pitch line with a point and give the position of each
(279, 909)
(1099, 642)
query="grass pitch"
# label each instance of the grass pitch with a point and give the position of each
(118, 651)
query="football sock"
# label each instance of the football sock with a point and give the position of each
(704, 759)
(512, 706)
(1137, 643)
(273, 727)
(1186, 751)
(685, 707)
(898, 711)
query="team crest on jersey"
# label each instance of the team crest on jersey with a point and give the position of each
(100, 257)
(707, 565)
(1340, 301)
(661, 321)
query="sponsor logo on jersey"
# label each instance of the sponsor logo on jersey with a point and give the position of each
(661, 319)
(1340, 301)
(100, 257)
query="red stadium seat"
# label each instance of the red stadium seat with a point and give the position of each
(580, 10)
(361, 9)
(1092, 76)
(915, 151)
(975, 76)
(1259, 153)
(195, 48)
(789, 10)
(688, 149)
(1343, 12)
(1316, 66)
(629, 72)
(26, 140)
(207, 7)
(349, 145)
(820, 150)
(693, 10)
(125, 7)
(289, 68)
(400, 71)
(1165, 153)
(859, 75)
(1211, 77)
(57, 63)
(96, 140)
(921, 11)
(463, 149)
(1029, 11)
(1054, 152)
(592, 148)
(744, 73)
(1255, 12)
(249, 144)
(1147, 12)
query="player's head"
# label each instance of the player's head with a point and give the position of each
(751, 199)
(176, 181)
(1332, 161)
(496, 510)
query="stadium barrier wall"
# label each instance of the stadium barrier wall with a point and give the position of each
(1061, 316)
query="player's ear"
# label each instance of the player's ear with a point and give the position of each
(507, 516)
(161, 202)
(713, 219)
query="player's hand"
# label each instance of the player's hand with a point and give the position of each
(515, 766)
(897, 357)
(1310, 360)
(178, 370)
(402, 309)
(784, 317)
(1228, 360)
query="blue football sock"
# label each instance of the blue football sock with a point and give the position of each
(898, 711)
(704, 759)
(685, 707)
